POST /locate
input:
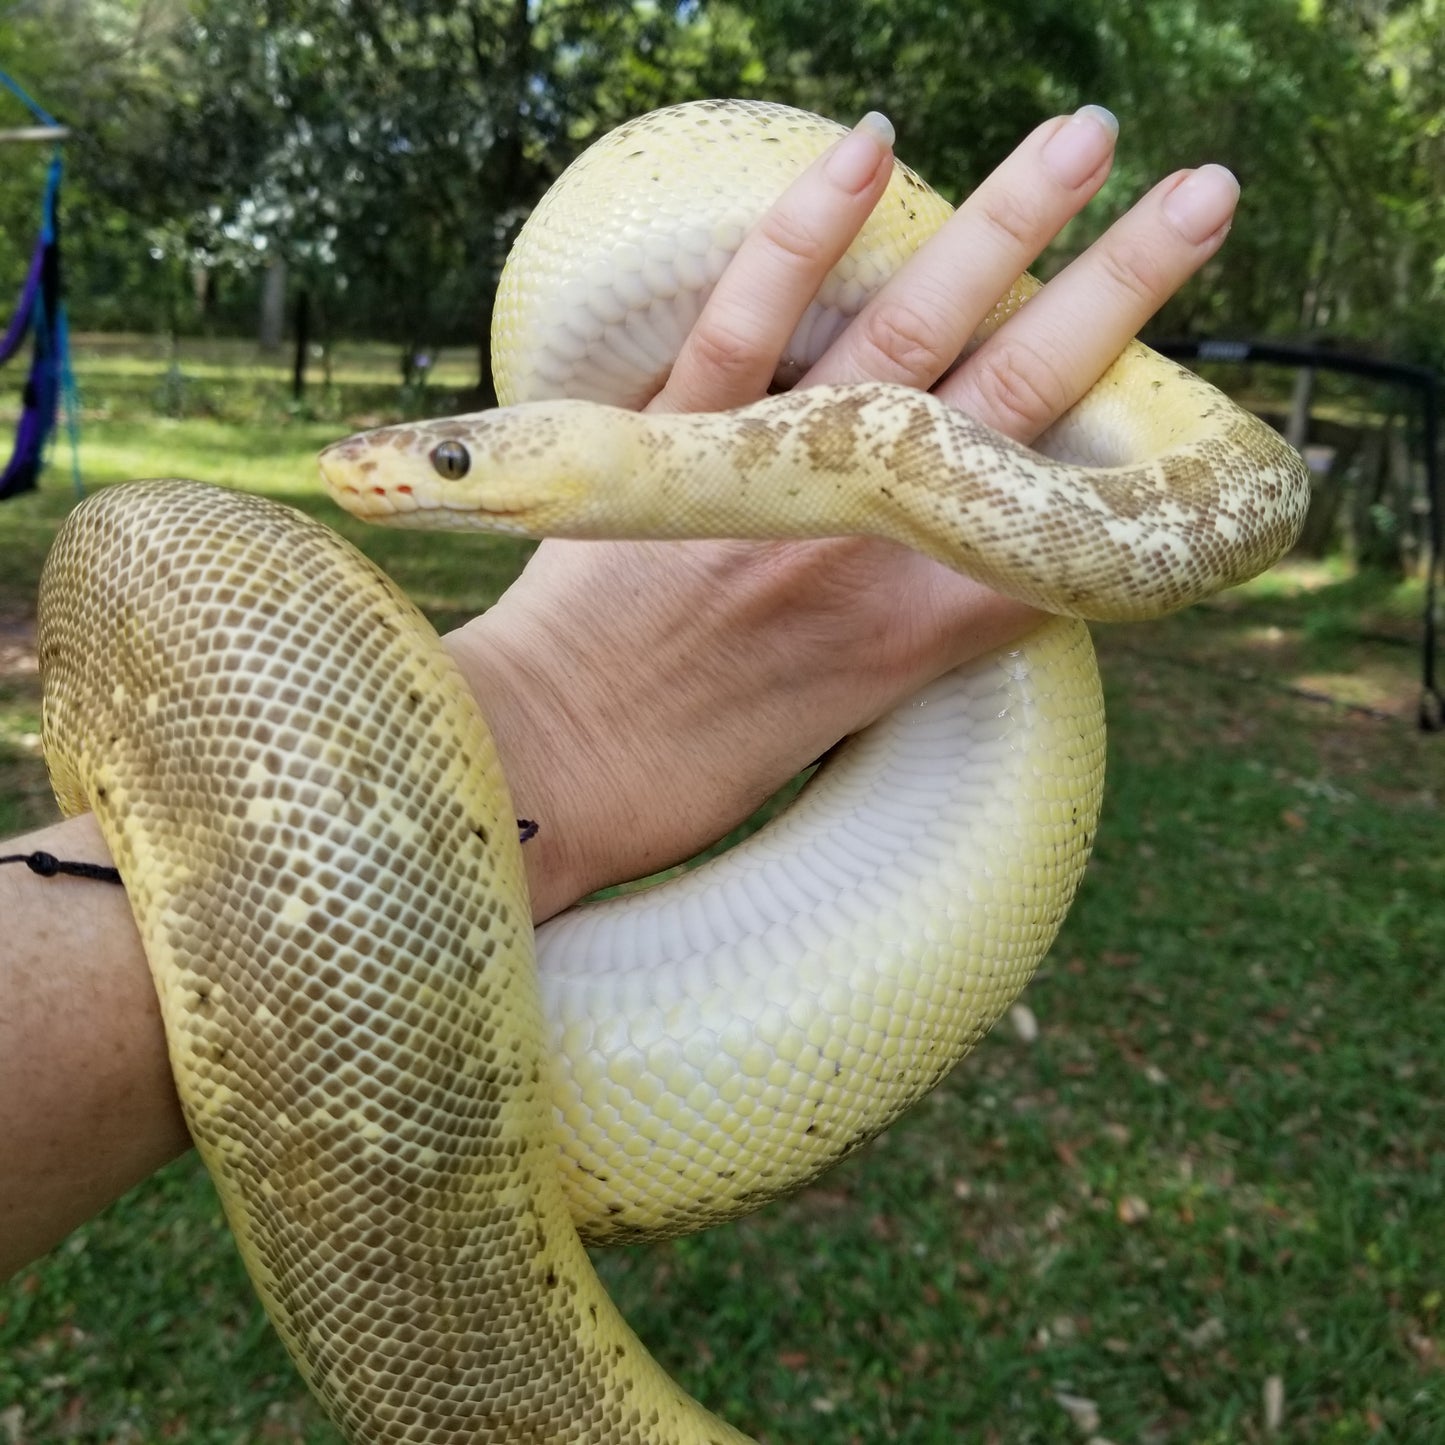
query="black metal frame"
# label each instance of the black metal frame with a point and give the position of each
(1419, 378)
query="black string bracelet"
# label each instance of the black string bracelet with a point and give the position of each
(47, 865)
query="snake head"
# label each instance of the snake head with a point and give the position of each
(522, 470)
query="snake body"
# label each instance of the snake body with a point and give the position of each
(320, 853)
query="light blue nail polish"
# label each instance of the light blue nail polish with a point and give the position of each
(1106, 118)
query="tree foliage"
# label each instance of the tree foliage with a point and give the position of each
(109, 69)
(386, 150)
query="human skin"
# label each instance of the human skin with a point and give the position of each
(804, 641)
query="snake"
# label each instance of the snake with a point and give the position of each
(416, 1114)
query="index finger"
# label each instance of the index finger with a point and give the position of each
(730, 355)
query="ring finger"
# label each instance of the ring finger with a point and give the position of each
(919, 323)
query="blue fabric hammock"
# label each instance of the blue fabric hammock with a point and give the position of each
(39, 314)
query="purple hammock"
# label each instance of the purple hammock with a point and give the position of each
(38, 312)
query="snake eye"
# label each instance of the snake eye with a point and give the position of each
(451, 459)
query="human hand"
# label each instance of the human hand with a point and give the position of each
(647, 696)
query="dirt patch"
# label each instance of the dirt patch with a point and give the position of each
(17, 648)
(1373, 673)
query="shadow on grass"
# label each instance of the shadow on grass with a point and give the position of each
(1351, 641)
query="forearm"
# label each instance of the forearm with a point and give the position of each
(86, 1103)
(647, 697)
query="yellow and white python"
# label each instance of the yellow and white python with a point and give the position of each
(407, 1131)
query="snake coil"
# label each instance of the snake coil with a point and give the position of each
(320, 851)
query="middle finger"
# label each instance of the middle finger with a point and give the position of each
(914, 329)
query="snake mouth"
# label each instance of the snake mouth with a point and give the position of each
(459, 517)
(400, 506)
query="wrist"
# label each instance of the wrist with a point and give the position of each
(506, 688)
(622, 731)
(556, 773)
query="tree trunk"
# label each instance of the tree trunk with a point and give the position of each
(1334, 468)
(273, 306)
(303, 341)
(1376, 520)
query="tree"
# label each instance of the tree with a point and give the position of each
(401, 142)
(387, 149)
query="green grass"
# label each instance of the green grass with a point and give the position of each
(1221, 1162)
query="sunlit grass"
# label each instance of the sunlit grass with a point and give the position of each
(269, 459)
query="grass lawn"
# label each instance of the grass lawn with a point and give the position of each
(1206, 1204)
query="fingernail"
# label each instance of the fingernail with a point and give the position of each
(854, 160)
(1202, 203)
(1081, 145)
